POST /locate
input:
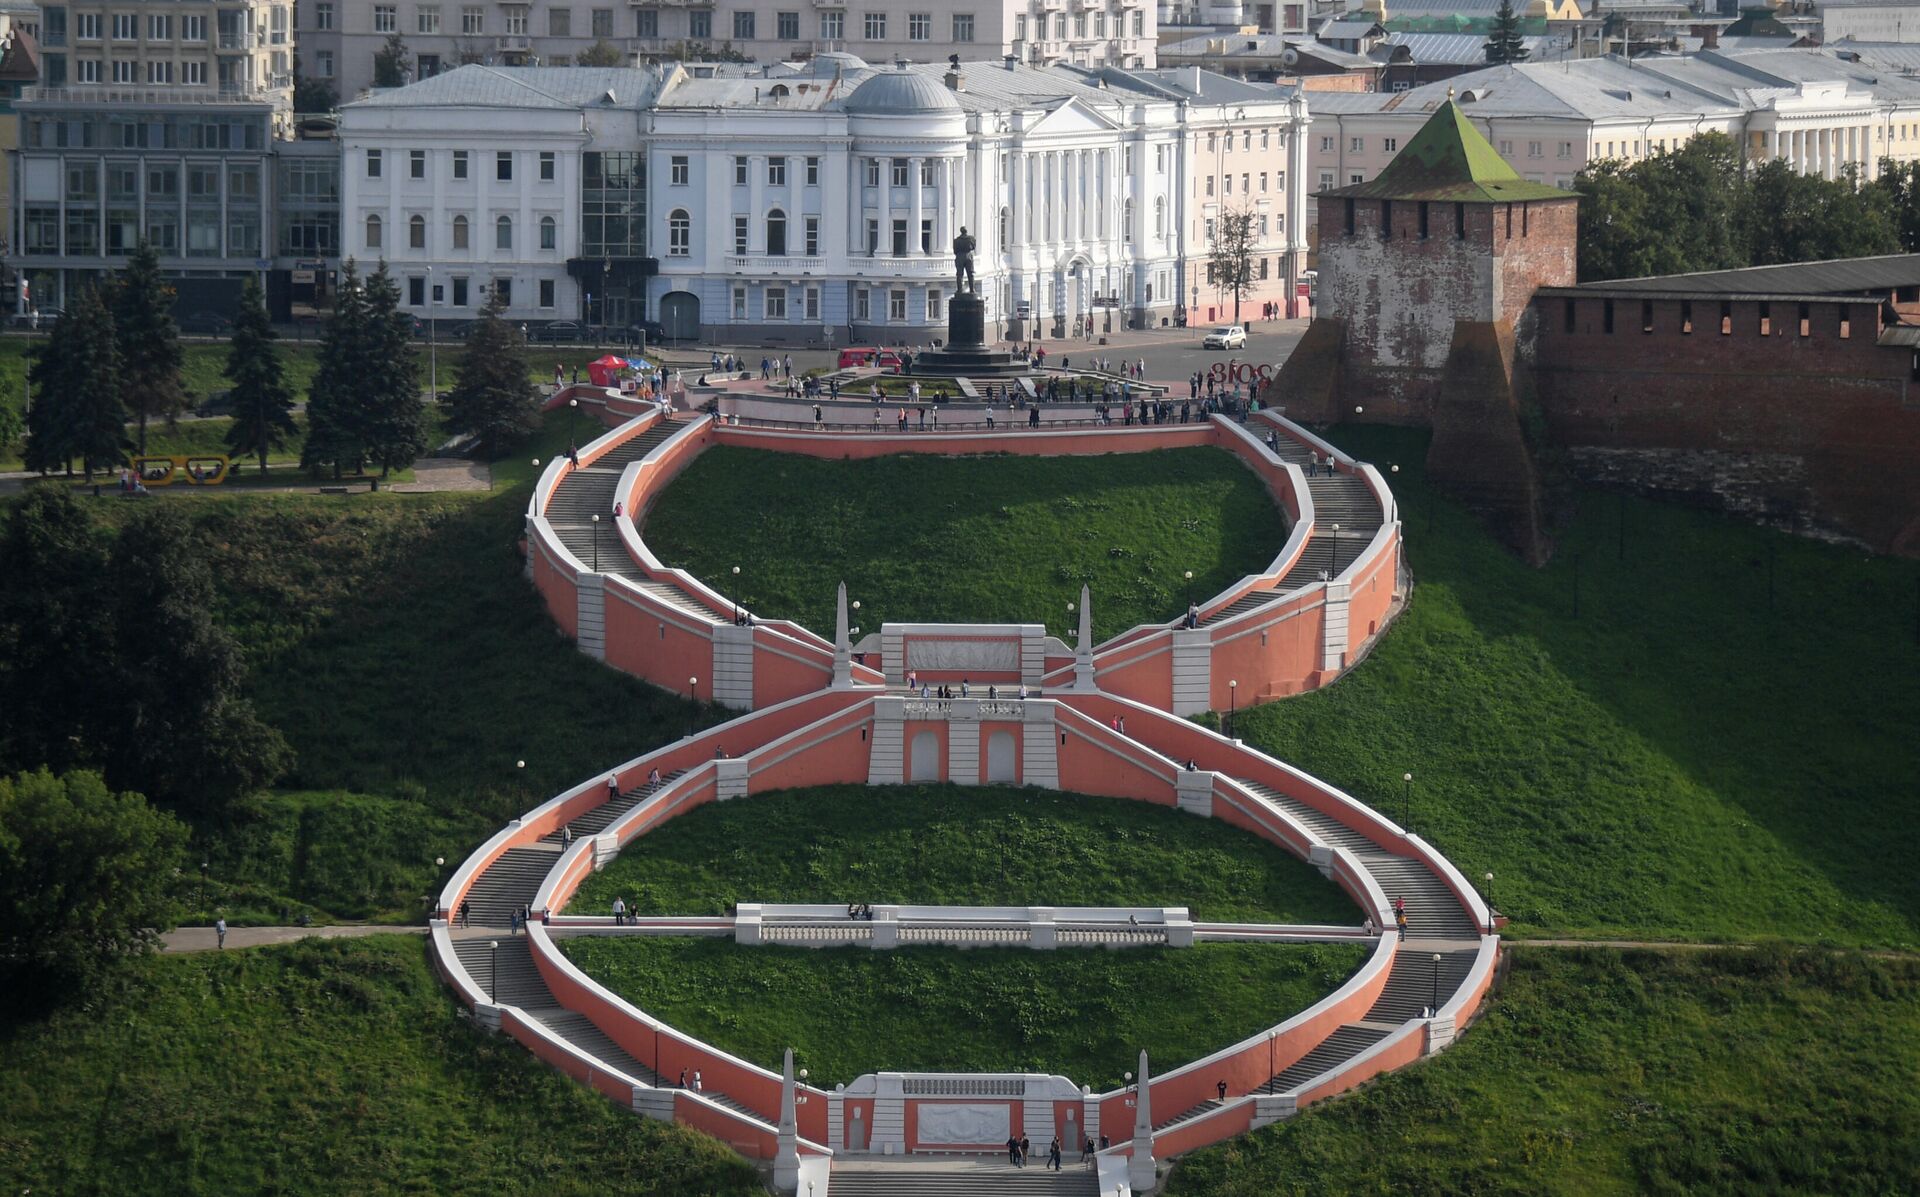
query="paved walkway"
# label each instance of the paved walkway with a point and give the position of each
(202, 939)
(431, 475)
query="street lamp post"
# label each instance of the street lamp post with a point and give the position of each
(1406, 801)
(1189, 577)
(596, 542)
(1336, 554)
(1233, 703)
(1436, 984)
(1487, 890)
(693, 696)
(1072, 622)
(536, 489)
(493, 970)
(573, 412)
(736, 594)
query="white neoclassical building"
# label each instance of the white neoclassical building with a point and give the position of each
(818, 204)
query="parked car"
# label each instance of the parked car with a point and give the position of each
(559, 331)
(870, 355)
(211, 324)
(1227, 336)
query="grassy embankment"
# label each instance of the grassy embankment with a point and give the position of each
(992, 540)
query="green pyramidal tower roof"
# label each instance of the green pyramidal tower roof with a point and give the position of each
(1448, 160)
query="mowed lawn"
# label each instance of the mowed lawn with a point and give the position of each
(960, 846)
(1598, 1072)
(1681, 760)
(1082, 1013)
(340, 1067)
(968, 539)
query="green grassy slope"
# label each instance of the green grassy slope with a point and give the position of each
(1082, 1013)
(316, 1068)
(960, 846)
(1676, 762)
(985, 540)
(1598, 1072)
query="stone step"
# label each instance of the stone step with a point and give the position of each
(505, 974)
(599, 818)
(1344, 1044)
(857, 1179)
(1415, 980)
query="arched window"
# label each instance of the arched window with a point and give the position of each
(679, 233)
(503, 233)
(549, 233)
(373, 231)
(1006, 227)
(1126, 222)
(777, 233)
(1160, 217)
(416, 232)
(460, 232)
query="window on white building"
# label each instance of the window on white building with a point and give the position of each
(739, 172)
(898, 172)
(503, 232)
(549, 233)
(739, 234)
(743, 26)
(920, 27)
(549, 165)
(427, 18)
(460, 164)
(777, 233)
(323, 16)
(1356, 145)
(373, 230)
(416, 232)
(679, 234)
(897, 305)
(862, 304)
(323, 63)
(473, 19)
(787, 26)
(503, 166)
(875, 26)
(813, 172)
(811, 302)
(812, 235)
(1326, 145)
(460, 232)
(416, 164)
(126, 27)
(833, 26)
(386, 18)
(160, 72)
(546, 293)
(159, 27)
(373, 164)
(677, 170)
(776, 172)
(739, 303)
(934, 302)
(873, 172)
(963, 27)
(776, 303)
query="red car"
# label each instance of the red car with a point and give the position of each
(885, 359)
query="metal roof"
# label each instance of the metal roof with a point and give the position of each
(1838, 276)
(1449, 160)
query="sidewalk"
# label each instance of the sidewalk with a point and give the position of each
(202, 939)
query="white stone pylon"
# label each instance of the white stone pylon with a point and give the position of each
(786, 1155)
(842, 645)
(1083, 652)
(1140, 1172)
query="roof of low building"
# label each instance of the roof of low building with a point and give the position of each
(1836, 276)
(477, 86)
(901, 93)
(1449, 160)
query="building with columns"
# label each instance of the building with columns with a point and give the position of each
(339, 38)
(818, 203)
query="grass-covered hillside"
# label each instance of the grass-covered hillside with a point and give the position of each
(1682, 760)
(1599, 1072)
(969, 539)
(960, 846)
(318, 1068)
(1083, 1013)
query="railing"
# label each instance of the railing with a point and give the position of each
(145, 97)
(986, 708)
(908, 265)
(963, 1086)
(763, 263)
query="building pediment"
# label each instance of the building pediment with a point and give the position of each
(1069, 117)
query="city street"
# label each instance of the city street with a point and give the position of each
(1171, 354)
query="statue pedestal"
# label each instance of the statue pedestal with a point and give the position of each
(965, 353)
(966, 322)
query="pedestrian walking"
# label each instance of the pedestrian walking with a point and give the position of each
(816, 415)
(619, 912)
(466, 913)
(683, 1078)
(566, 836)
(1086, 1154)
(697, 1086)
(1026, 1149)
(1053, 1154)
(1221, 1088)
(1013, 1151)
(220, 932)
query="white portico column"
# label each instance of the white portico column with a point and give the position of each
(943, 205)
(917, 207)
(756, 216)
(886, 205)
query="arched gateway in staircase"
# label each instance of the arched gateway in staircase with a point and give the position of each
(815, 714)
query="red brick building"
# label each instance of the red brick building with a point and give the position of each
(1447, 299)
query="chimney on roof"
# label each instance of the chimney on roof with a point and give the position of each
(954, 81)
(1010, 60)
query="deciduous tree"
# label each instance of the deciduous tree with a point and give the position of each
(1231, 258)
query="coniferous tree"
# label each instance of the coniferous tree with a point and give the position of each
(332, 429)
(175, 726)
(1504, 42)
(493, 401)
(76, 377)
(150, 355)
(262, 401)
(393, 412)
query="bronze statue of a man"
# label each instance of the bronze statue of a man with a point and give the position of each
(963, 260)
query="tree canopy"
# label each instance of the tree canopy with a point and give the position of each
(1230, 259)
(1504, 42)
(86, 877)
(1699, 207)
(149, 341)
(77, 409)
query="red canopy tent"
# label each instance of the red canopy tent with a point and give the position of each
(605, 371)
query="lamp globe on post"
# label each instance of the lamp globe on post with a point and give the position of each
(595, 519)
(573, 413)
(736, 594)
(1188, 575)
(1436, 984)
(1406, 802)
(493, 970)
(1233, 703)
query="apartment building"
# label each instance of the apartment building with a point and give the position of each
(242, 48)
(339, 39)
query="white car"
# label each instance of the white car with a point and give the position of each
(1227, 336)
